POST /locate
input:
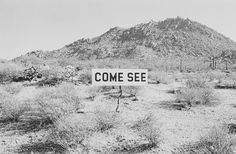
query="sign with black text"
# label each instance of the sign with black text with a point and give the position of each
(116, 77)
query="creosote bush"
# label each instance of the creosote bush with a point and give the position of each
(51, 77)
(145, 128)
(217, 141)
(196, 83)
(196, 96)
(9, 71)
(12, 109)
(160, 77)
(70, 133)
(51, 81)
(106, 120)
(196, 92)
(226, 83)
(56, 102)
(215, 75)
(13, 88)
(147, 120)
(85, 77)
(131, 90)
(141, 136)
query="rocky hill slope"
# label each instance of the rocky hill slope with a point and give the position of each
(174, 36)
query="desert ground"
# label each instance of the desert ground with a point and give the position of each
(177, 112)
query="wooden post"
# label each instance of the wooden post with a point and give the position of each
(118, 101)
(215, 63)
(180, 65)
(226, 65)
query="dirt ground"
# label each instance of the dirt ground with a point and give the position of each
(177, 126)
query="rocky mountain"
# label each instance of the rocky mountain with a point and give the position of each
(173, 36)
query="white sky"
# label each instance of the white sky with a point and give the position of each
(27, 25)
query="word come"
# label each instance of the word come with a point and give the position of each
(116, 77)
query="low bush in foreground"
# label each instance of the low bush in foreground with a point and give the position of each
(105, 133)
(70, 133)
(12, 109)
(196, 83)
(145, 128)
(217, 141)
(196, 92)
(106, 120)
(142, 136)
(196, 96)
(56, 102)
(13, 88)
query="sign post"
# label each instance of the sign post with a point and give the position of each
(119, 77)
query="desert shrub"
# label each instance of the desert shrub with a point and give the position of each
(9, 75)
(196, 83)
(106, 120)
(50, 81)
(53, 72)
(70, 133)
(12, 109)
(92, 92)
(206, 96)
(58, 102)
(51, 77)
(159, 77)
(217, 141)
(124, 141)
(226, 83)
(8, 71)
(13, 88)
(145, 128)
(187, 96)
(197, 91)
(66, 62)
(196, 96)
(85, 77)
(30, 60)
(131, 90)
(144, 121)
(194, 64)
(215, 75)
(152, 135)
(105, 88)
(3, 94)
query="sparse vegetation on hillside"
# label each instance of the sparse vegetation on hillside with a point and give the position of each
(179, 38)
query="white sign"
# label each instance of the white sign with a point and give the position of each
(122, 77)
